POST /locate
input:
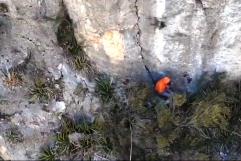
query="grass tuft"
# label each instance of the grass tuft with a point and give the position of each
(104, 88)
(14, 135)
(106, 144)
(42, 90)
(63, 144)
(48, 154)
(13, 79)
(68, 125)
(85, 128)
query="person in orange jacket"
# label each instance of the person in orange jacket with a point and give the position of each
(162, 87)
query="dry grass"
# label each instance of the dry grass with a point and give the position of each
(13, 80)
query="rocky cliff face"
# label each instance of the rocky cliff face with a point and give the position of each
(121, 37)
(181, 36)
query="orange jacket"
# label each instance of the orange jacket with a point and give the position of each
(162, 85)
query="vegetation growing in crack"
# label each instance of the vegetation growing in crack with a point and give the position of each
(67, 40)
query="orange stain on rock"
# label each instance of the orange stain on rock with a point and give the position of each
(113, 44)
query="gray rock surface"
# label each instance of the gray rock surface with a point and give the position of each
(110, 30)
(180, 36)
(24, 31)
(121, 36)
(29, 45)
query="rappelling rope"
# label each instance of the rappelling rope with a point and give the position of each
(149, 73)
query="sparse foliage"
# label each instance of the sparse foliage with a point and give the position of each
(138, 95)
(88, 140)
(201, 126)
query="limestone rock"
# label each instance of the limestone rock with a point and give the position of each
(109, 28)
(75, 137)
(179, 36)
(56, 107)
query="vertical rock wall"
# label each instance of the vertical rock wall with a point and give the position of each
(180, 36)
